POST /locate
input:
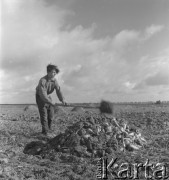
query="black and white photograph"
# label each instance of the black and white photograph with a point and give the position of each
(84, 89)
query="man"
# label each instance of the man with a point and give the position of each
(46, 86)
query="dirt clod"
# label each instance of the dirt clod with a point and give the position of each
(78, 109)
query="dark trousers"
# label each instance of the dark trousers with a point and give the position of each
(46, 112)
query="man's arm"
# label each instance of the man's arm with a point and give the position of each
(58, 92)
(43, 92)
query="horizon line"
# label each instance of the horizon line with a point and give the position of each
(125, 102)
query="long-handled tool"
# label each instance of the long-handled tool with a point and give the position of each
(105, 106)
(76, 105)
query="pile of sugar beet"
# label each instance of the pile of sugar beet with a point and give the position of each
(91, 136)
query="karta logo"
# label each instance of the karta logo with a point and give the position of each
(125, 170)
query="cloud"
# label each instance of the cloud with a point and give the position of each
(29, 31)
(129, 85)
(152, 30)
(35, 34)
(126, 37)
(154, 72)
(160, 78)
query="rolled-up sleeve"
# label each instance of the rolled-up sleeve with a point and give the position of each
(58, 92)
(43, 92)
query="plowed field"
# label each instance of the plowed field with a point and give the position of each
(20, 126)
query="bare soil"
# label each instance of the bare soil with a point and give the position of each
(19, 127)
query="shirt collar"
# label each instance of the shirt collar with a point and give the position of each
(50, 80)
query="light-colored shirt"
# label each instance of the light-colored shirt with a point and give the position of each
(46, 86)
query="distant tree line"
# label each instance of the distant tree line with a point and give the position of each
(126, 103)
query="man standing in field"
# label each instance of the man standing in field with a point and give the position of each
(46, 86)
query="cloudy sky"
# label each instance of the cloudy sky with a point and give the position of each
(117, 50)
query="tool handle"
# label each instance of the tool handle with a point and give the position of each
(73, 105)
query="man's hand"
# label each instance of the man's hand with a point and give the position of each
(64, 103)
(53, 104)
